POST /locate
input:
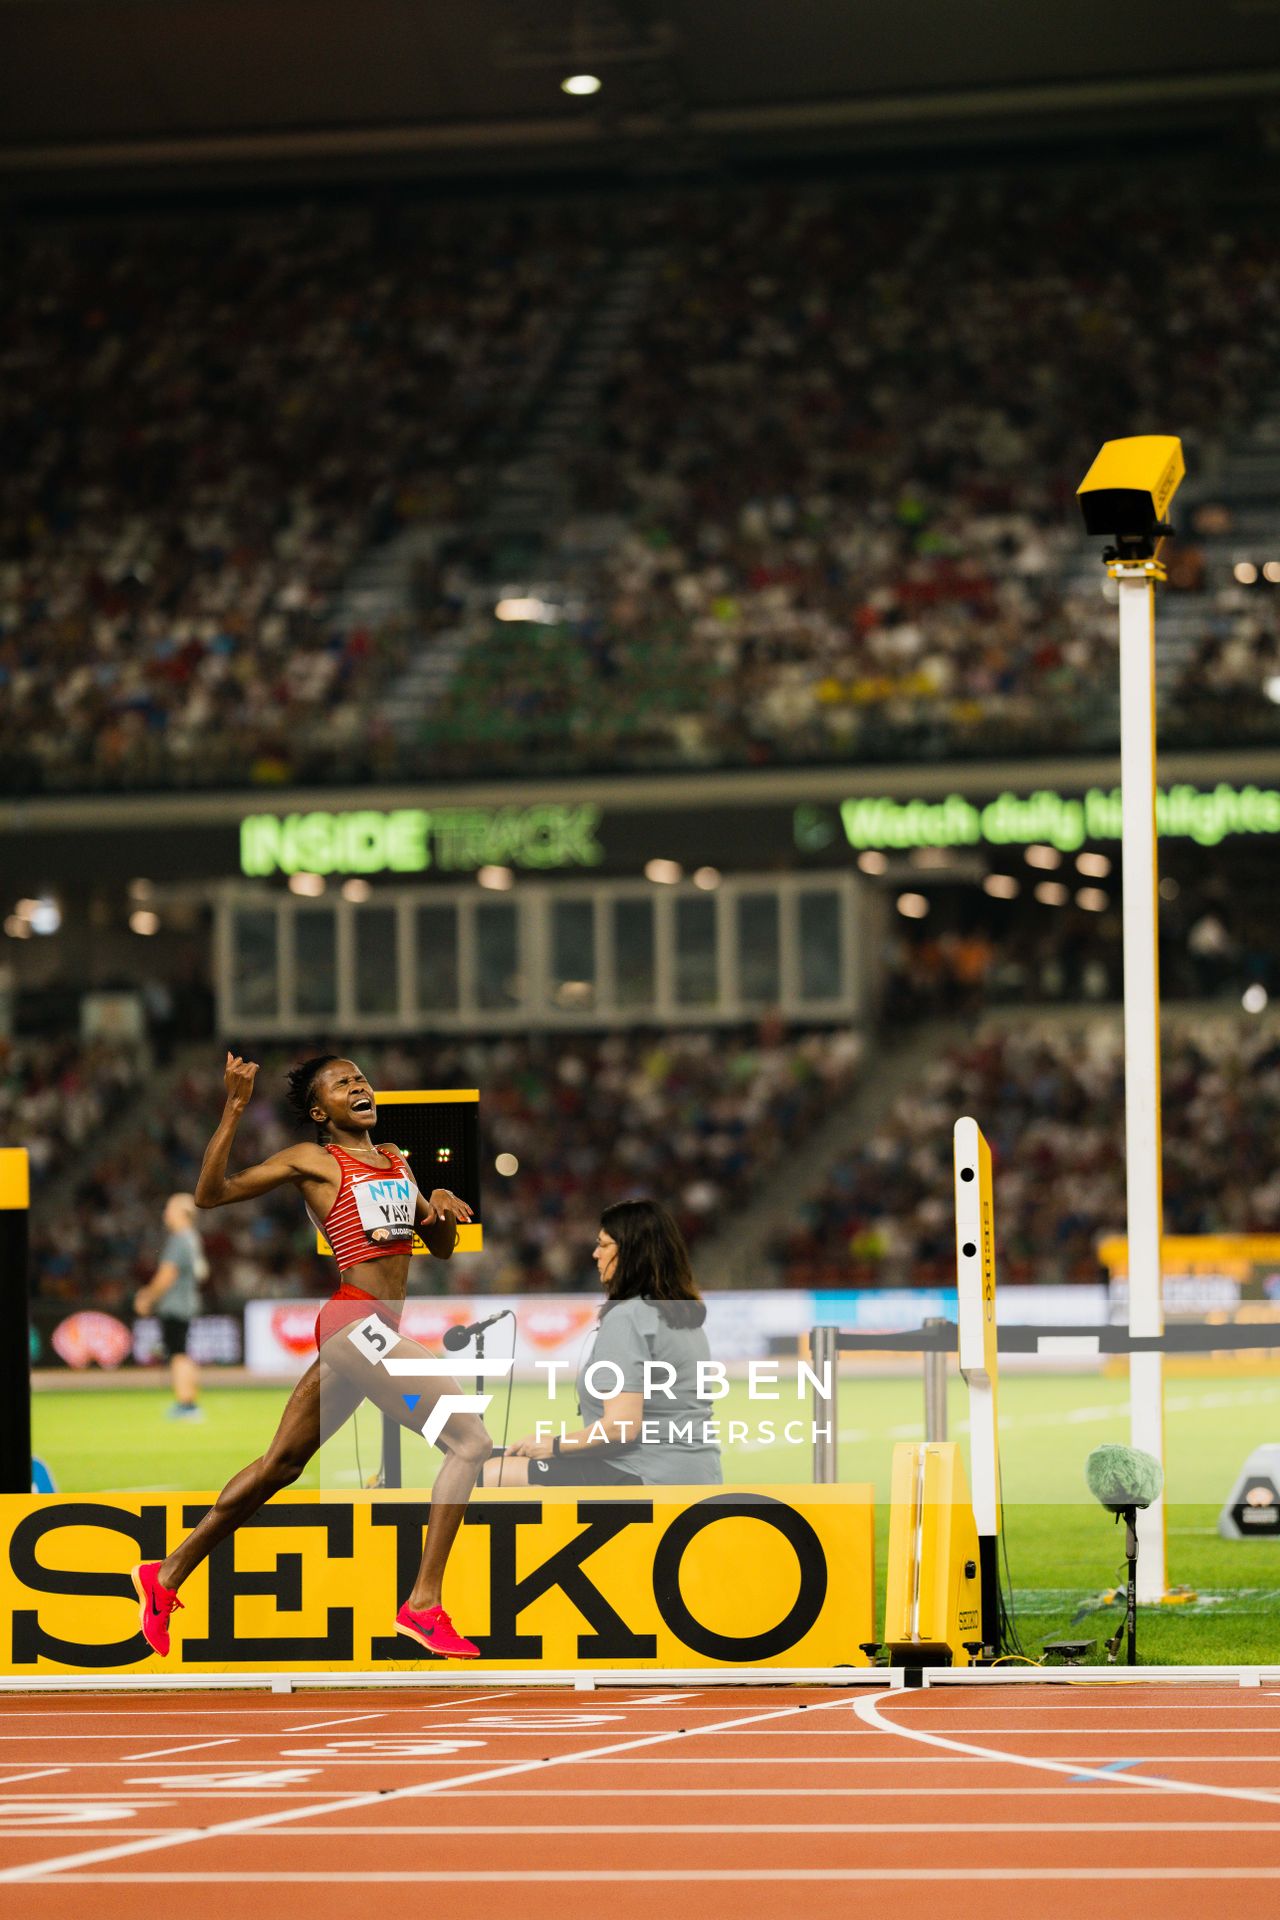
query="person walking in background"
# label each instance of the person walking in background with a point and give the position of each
(173, 1295)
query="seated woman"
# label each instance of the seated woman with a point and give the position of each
(651, 1429)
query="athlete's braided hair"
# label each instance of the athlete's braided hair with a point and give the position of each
(301, 1095)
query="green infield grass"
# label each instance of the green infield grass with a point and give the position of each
(1065, 1554)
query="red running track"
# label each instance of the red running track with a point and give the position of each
(1030, 1801)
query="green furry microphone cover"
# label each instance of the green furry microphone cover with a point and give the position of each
(1123, 1476)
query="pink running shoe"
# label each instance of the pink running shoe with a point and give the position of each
(158, 1603)
(436, 1632)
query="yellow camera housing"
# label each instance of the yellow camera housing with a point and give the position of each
(1127, 490)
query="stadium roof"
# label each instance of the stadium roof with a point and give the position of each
(146, 85)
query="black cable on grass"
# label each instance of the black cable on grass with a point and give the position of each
(1008, 1613)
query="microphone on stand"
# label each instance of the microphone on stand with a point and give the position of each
(455, 1338)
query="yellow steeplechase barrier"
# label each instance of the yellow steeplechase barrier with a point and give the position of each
(933, 1592)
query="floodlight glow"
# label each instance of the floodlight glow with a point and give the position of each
(872, 862)
(356, 890)
(1052, 893)
(1096, 865)
(144, 921)
(912, 906)
(663, 873)
(1001, 886)
(45, 916)
(506, 1164)
(1044, 857)
(310, 885)
(707, 878)
(1093, 900)
(1245, 572)
(496, 879)
(1254, 998)
(580, 84)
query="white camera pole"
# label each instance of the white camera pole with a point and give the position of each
(1136, 581)
(1126, 493)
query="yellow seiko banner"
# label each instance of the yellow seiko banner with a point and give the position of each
(567, 1577)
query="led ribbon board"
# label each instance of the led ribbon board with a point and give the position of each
(415, 840)
(1062, 820)
(439, 1134)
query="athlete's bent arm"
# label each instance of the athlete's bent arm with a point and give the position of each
(213, 1188)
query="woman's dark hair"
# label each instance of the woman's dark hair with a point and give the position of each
(302, 1084)
(653, 1260)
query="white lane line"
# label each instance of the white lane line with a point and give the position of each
(563, 1732)
(868, 1711)
(776, 1793)
(866, 1828)
(191, 1746)
(340, 1762)
(39, 1870)
(906, 1759)
(344, 1720)
(38, 1773)
(283, 1724)
(610, 1876)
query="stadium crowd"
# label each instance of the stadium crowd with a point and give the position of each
(694, 1118)
(833, 466)
(841, 453)
(207, 422)
(58, 1098)
(1051, 1102)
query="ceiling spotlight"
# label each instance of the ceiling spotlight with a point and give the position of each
(1052, 893)
(506, 1164)
(1169, 889)
(356, 890)
(1271, 687)
(912, 906)
(1001, 886)
(1245, 572)
(872, 862)
(663, 873)
(708, 878)
(1254, 998)
(16, 927)
(1271, 571)
(496, 879)
(1095, 865)
(1045, 857)
(1093, 900)
(580, 84)
(309, 885)
(144, 921)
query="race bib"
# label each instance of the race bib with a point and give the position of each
(385, 1208)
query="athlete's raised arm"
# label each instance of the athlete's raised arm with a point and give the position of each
(287, 1168)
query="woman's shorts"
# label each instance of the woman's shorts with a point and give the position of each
(174, 1331)
(579, 1468)
(350, 1304)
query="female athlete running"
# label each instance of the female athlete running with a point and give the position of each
(367, 1204)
